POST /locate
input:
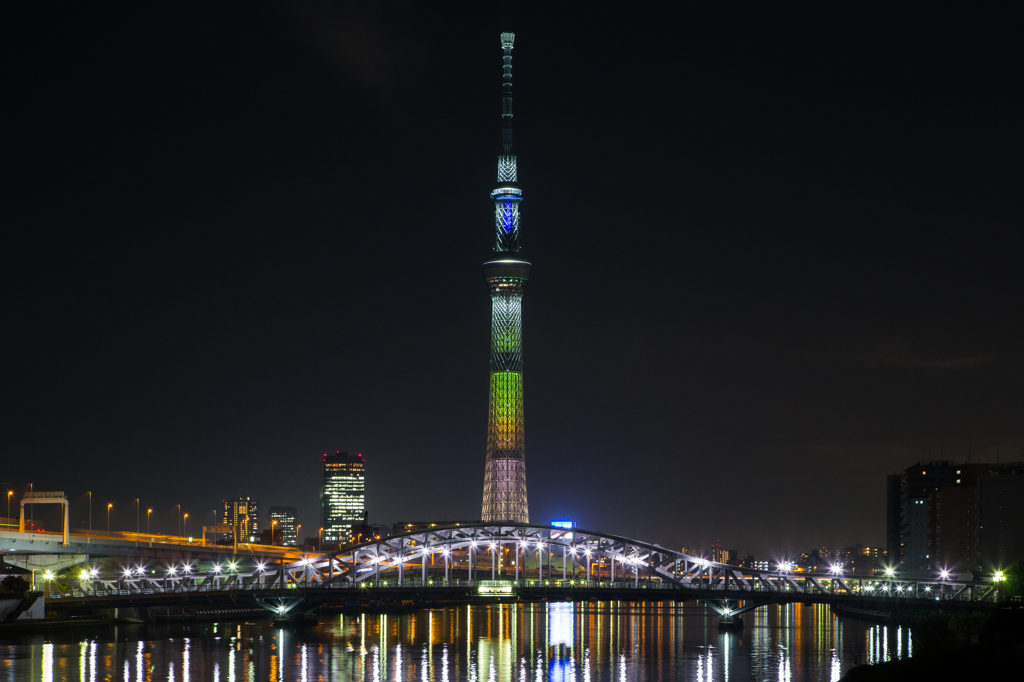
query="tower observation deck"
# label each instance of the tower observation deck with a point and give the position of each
(506, 274)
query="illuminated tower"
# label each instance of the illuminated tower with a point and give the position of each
(506, 274)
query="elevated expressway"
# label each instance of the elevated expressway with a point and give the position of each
(488, 562)
(50, 550)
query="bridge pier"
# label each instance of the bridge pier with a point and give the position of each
(730, 610)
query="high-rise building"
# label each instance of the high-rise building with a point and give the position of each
(506, 274)
(933, 519)
(284, 520)
(343, 496)
(243, 515)
(1000, 508)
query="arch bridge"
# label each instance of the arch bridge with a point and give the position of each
(525, 561)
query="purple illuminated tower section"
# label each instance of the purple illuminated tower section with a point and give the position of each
(506, 274)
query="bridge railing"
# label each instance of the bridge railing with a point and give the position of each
(270, 582)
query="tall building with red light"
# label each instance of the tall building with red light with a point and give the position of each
(343, 496)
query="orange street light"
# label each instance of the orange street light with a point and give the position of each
(109, 506)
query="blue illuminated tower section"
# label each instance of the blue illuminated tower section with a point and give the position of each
(506, 274)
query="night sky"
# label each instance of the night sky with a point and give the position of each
(776, 257)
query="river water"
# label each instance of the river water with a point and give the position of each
(585, 642)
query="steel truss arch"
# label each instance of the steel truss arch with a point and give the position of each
(390, 557)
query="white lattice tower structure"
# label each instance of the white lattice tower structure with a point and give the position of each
(507, 273)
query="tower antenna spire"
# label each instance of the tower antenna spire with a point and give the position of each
(506, 102)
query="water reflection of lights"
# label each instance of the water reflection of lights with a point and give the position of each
(785, 673)
(48, 663)
(561, 624)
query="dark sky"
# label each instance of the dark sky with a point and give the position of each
(776, 257)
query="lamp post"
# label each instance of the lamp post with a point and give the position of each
(109, 506)
(273, 523)
(148, 512)
(320, 540)
(179, 523)
(90, 516)
(298, 534)
(9, 493)
(137, 515)
(185, 527)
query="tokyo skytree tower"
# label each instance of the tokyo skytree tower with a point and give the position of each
(506, 274)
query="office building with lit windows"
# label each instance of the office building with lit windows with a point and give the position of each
(343, 496)
(243, 515)
(283, 520)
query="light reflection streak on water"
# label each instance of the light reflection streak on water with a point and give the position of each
(277, 658)
(138, 663)
(444, 665)
(92, 661)
(184, 662)
(83, 647)
(231, 661)
(47, 662)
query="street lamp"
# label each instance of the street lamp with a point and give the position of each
(109, 506)
(9, 493)
(186, 523)
(136, 522)
(148, 512)
(273, 523)
(90, 516)
(298, 533)
(320, 541)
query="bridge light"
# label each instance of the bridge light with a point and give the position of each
(171, 570)
(127, 573)
(927, 588)
(259, 566)
(232, 565)
(216, 568)
(999, 577)
(187, 568)
(899, 588)
(944, 574)
(889, 572)
(493, 545)
(48, 575)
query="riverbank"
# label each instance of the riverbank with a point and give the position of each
(955, 647)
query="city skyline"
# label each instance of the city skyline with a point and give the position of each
(777, 266)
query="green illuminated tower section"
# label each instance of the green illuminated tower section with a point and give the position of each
(506, 274)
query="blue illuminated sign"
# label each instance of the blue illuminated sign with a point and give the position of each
(563, 524)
